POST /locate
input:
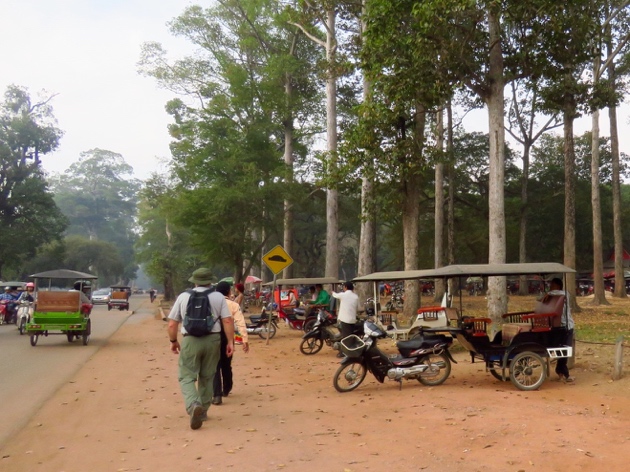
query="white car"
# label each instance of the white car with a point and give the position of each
(101, 296)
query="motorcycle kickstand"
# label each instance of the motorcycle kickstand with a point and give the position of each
(399, 385)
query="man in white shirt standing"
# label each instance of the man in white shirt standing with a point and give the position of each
(348, 307)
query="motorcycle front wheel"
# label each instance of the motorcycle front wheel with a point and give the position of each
(438, 371)
(349, 376)
(22, 326)
(311, 346)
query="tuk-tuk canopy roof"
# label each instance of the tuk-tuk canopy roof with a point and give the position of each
(470, 270)
(307, 281)
(119, 286)
(395, 275)
(63, 274)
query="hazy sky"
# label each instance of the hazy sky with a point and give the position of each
(86, 52)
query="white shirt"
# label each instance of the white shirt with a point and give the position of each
(567, 318)
(217, 305)
(348, 306)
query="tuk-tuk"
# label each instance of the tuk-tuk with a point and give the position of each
(119, 298)
(66, 311)
(297, 318)
(527, 341)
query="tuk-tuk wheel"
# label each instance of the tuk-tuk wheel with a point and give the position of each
(86, 332)
(109, 307)
(34, 338)
(528, 370)
(70, 337)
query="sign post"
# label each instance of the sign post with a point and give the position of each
(277, 260)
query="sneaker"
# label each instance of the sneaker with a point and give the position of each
(204, 416)
(569, 379)
(217, 400)
(196, 414)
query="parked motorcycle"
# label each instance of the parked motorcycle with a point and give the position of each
(24, 313)
(324, 331)
(425, 358)
(259, 324)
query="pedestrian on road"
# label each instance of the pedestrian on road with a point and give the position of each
(223, 379)
(199, 355)
(348, 307)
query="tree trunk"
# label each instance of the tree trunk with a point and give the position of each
(332, 197)
(439, 206)
(598, 263)
(523, 286)
(450, 224)
(497, 297)
(288, 161)
(569, 199)
(620, 283)
(367, 238)
(411, 216)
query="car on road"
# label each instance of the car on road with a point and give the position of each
(101, 296)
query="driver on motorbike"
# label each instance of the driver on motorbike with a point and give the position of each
(9, 298)
(28, 294)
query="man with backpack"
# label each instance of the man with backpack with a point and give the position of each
(199, 310)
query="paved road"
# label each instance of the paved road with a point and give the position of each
(30, 375)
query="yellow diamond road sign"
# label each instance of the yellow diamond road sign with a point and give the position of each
(277, 259)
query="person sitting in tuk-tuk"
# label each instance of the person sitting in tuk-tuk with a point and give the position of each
(82, 287)
(322, 296)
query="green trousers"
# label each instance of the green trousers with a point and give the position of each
(198, 361)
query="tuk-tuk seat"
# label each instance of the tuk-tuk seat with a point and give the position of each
(119, 296)
(547, 314)
(477, 326)
(58, 302)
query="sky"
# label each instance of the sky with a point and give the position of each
(86, 52)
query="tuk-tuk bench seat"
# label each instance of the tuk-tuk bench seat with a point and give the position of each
(58, 302)
(119, 296)
(540, 321)
(546, 315)
(477, 326)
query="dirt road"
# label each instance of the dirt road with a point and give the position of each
(123, 411)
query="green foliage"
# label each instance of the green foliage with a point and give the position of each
(98, 195)
(28, 214)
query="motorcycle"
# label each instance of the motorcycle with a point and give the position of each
(324, 331)
(24, 313)
(8, 311)
(425, 358)
(259, 324)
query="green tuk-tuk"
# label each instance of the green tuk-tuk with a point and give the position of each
(65, 311)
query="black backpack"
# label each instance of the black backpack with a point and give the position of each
(198, 320)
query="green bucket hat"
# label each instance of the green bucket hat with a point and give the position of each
(201, 276)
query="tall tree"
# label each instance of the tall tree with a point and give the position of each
(522, 113)
(28, 214)
(98, 195)
(249, 83)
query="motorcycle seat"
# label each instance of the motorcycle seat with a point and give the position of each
(422, 342)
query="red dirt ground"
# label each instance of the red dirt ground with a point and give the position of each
(123, 412)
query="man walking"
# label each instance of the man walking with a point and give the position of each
(199, 355)
(223, 380)
(347, 313)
